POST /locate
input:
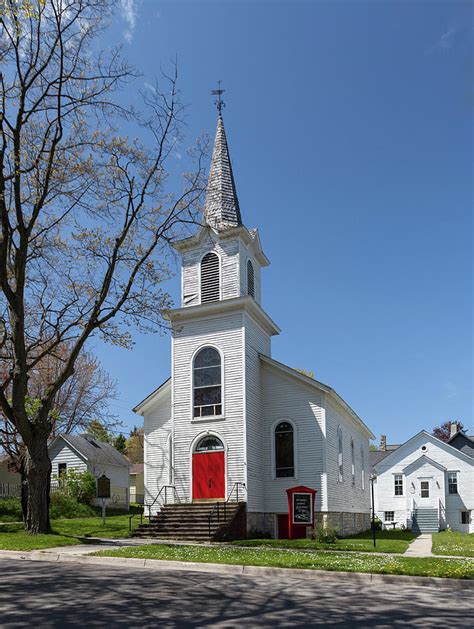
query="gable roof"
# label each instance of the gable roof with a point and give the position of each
(164, 386)
(137, 468)
(93, 451)
(462, 442)
(422, 460)
(431, 437)
(375, 456)
(318, 385)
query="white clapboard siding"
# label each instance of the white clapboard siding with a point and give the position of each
(257, 341)
(408, 455)
(62, 453)
(228, 253)
(345, 496)
(246, 254)
(284, 398)
(157, 454)
(225, 333)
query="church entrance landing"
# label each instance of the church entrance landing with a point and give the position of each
(209, 469)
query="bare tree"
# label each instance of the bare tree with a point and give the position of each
(85, 396)
(86, 214)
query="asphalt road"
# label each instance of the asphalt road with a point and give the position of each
(45, 594)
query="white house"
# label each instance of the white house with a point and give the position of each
(231, 418)
(84, 453)
(425, 484)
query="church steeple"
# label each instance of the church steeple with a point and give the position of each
(221, 207)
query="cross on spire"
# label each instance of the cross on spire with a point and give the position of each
(218, 92)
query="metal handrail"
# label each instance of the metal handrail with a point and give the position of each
(165, 488)
(130, 518)
(216, 507)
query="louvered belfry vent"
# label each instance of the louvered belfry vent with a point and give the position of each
(250, 279)
(210, 278)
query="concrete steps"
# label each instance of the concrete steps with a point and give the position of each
(189, 521)
(425, 521)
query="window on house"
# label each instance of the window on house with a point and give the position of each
(284, 450)
(465, 517)
(389, 516)
(398, 480)
(209, 443)
(362, 468)
(339, 455)
(453, 482)
(207, 382)
(62, 470)
(250, 280)
(210, 278)
(425, 489)
(353, 465)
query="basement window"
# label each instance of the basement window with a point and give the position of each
(465, 517)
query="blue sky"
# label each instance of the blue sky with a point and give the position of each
(349, 126)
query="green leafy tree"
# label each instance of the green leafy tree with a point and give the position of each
(99, 431)
(120, 444)
(309, 374)
(78, 485)
(135, 445)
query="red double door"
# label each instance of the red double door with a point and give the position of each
(208, 475)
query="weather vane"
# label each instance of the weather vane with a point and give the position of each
(218, 92)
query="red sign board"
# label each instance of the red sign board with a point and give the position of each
(300, 507)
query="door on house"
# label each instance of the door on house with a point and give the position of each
(209, 469)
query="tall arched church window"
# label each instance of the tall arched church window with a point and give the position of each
(339, 455)
(284, 450)
(207, 383)
(250, 279)
(353, 464)
(210, 278)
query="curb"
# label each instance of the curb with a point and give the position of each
(228, 569)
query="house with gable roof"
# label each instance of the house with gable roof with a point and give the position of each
(232, 423)
(425, 484)
(84, 453)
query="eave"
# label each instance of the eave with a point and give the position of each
(152, 397)
(246, 303)
(321, 387)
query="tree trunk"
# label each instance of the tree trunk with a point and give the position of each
(24, 494)
(38, 478)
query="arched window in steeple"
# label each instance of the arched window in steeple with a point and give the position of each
(210, 278)
(250, 279)
(207, 383)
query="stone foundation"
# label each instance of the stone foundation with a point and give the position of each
(260, 524)
(263, 524)
(344, 523)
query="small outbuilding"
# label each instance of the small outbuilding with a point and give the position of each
(137, 483)
(84, 453)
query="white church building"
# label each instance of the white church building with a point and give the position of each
(231, 419)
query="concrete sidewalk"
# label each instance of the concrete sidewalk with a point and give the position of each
(420, 547)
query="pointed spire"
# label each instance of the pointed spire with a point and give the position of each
(221, 207)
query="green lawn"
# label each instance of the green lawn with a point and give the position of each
(453, 543)
(353, 562)
(386, 542)
(64, 533)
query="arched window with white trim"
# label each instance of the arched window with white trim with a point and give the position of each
(250, 279)
(207, 383)
(339, 455)
(353, 463)
(210, 278)
(284, 450)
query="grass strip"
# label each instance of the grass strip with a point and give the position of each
(386, 542)
(353, 562)
(64, 533)
(453, 543)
